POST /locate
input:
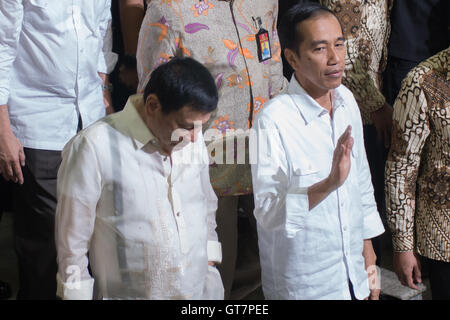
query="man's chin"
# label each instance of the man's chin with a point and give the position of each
(179, 145)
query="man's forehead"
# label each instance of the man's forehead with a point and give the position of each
(320, 28)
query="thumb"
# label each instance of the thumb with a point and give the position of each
(22, 157)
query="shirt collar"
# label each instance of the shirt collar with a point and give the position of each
(307, 106)
(135, 126)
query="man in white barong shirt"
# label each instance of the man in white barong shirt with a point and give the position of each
(139, 201)
(314, 200)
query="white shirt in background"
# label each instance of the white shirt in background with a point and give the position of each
(50, 56)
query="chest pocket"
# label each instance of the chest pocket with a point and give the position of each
(39, 3)
(304, 173)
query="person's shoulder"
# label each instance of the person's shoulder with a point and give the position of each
(276, 108)
(345, 92)
(94, 133)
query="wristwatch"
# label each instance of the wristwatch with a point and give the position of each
(107, 87)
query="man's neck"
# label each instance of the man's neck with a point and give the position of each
(322, 97)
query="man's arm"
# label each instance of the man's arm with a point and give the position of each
(214, 248)
(277, 203)
(12, 156)
(78, 192)
(131, 16)
(370, 260)
(106, 89)
(340, 169)
(402, 168)
(107, 58)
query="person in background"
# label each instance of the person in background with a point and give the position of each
(238, 42)
(419, 30)
(418, 176)
(55, 57)
(136, 202)
(314, 201)
(127, 16)
(366, 30)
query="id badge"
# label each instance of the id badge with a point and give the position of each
(263, 44)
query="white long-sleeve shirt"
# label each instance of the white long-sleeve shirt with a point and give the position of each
(311, 254)
(51, 52)
(149, 225)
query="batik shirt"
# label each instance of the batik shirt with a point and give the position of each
(418, 166)
(366, 28)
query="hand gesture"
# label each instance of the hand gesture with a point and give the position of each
(340, 167)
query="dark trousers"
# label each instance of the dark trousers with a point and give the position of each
(396, 71)
(34, 225)
(5, 196)
(439, 273)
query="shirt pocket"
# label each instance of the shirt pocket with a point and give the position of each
(304, 173)
(39, 15)
(39, 3)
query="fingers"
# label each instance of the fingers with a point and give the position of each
(345, 141)
(345, 135)
(22, 157)
(417, 274)
(18, 177)
(408, 280)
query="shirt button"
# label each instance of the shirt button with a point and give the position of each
(345, 228)
(178, 214)
(346, 253)
(298, 171)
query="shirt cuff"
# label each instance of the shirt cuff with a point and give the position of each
(372, 226)
(403, 243)
(3, 100)
(214, 251)
(77, 290)
(107, 62)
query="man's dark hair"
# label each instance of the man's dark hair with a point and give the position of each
(183, 82)
(290, 37)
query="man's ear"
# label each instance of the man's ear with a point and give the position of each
(152, 104)
(291, 58)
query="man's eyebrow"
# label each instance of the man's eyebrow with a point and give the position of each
(317, 42)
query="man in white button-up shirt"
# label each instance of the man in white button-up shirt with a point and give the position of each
(138, 201)
(54, 60)
(314, 200)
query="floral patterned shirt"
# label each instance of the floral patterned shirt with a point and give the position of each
(418, 166)
(366, 28)
(210, 32)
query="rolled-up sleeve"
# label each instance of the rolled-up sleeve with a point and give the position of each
(278, 204)
(11, 15)
(373, 226)
(78, 191)
(107, 58)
